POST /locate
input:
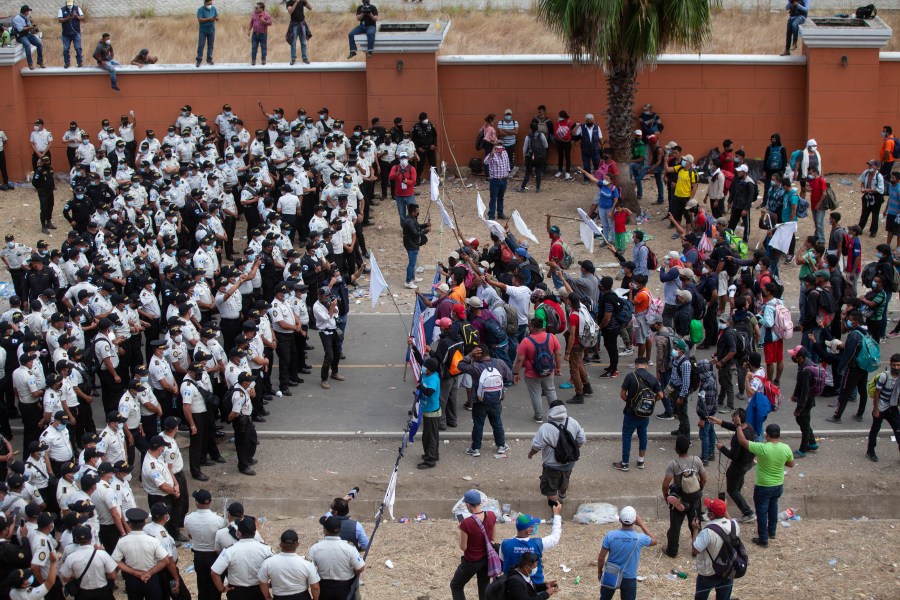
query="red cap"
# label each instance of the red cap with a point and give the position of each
(459, 311)
(716, 506)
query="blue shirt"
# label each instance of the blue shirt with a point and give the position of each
(606, 197)
(207, 13)
(432, 403)
(790, 199)
(639, 255)
(893, 207)
(625, 550)
(512, 549)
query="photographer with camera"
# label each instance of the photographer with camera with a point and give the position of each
(367, 15)
(352, 530)
(325, 311)
(25, 32)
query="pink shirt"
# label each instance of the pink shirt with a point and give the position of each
(259, 22)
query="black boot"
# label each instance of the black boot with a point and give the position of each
(588, 390)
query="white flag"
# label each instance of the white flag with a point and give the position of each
(496, 228)
(784, 233)
(445, 217)
(435, 184)
(377, 284)
(590, 222)
(391, 493)
(481, 208)
(521, 227)
(587, 236)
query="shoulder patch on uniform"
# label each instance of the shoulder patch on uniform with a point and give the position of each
(163, 534)
(42, 556)
(21, 556)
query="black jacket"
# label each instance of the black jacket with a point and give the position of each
(412, 233)
(682, 319)
(519, 589)
(423, 135)
(739, 456)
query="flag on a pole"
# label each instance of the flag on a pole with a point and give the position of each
(377, 284)
(587, 237)
(496, 228)
(435, 185)
(522, 227)
(418, 335)
(589, 222)
(445, 217)
(480, 207)
(391, 492)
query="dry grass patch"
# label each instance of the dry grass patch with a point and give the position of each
(174, 39)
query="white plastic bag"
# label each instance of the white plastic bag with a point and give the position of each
(490, 504)
(596, 513)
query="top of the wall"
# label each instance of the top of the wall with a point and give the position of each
(663, 59)
(837, 32)
(408, 36)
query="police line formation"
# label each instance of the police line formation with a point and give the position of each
(139, 298)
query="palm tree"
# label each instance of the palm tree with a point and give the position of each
(624, 37)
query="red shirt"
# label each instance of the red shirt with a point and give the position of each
(526, 349)
(620, 220)
(556, 251)
(401, 176)
(476, 548)
(816, 192)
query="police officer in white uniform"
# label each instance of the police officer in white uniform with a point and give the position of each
(243, 561)
(175, 462)
(157, 479)
(95, 567)
(245, 440)
(201, 526)
(159, 516)
(337, 562)
(287, 575)
(139, 554)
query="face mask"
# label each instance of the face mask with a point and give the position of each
(849, 324)
(705, 271)
(403, 162)
(533, 572)
(37, 128)
(722, 326)
(879, 255)
(10, 244)
(674, 353)
(684, 163)
(171, 134)
(884, 134)
(121, 426)
(505, 118)
(348, 186)
(61, 427)
(31, 581)
(606, 182)
(757, 268)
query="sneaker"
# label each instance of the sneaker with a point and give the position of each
(857, 418)
(799, 454)
(411, 285)
(608, 374)
(502, 449)
(305, 61)
(872, 456)
(537, 419)
(351, 55)
(473, 451)
(567, 177)
(337, 377)
(894, 334)
(621, 467)
(325, 385)
(627, 351)
(760, 543)
(833, 420)
(724, 410)
(578, 399)
(812, 447)
(588, 390)
(665, 417)
(650, 364)
(558, 174)
(675, 503)
(640, 464)
(748, 518)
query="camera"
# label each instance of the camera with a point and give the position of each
(366, 9)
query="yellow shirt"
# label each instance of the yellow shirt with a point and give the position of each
(686, 178)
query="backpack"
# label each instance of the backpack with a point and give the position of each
(543, 363)
(827, 307)
(802, 208)
(731, 563)
(743, 341)
(652, 262)
(868, 274)
(587, 328)
(624, 310)
(737, 244)
(479, 140)
(656, 308)
(895, 151)
(772, 392)
(476, 167)
(454, 354)
(490, 383)
(228, 399)
(784, 325)
(506, 255)
(873, 382)
(689, 481)
(470, 337)
(512, 320)
(869, 356)
(817, 378)
(493, 333)
(91, 360)
(644, 400)
(893, 278)
(563, 133)
(552, 319)
(866, 12)
(695, 376)
(538, 150)
(775, 162)
(566, 450)
(829, 201)
(496, 589)
(568, 258)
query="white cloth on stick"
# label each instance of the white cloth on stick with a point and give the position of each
(784, 233)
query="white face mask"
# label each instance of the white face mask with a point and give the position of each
(37, 127)
(403, 162)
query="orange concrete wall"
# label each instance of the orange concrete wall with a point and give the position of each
(700, 104)
(888, 100)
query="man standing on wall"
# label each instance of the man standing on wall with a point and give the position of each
(367, 15)
(207, 15)
(297, 28)
(258, 31)
(71, 16)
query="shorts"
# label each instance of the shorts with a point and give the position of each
(641, 329)
(465, 381)
(892, 225)
(774, 352)
(723, 283)
(554, 481)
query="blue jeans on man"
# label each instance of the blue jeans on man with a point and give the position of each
(110, 66)
(793, 31)
(412, 255)
(765, 501)
(258, 41)
(630, 423)
(369, 30)
(660, 186)
(402, 203)
(590, 160)
(708, 583)
(208, 39)
(490, 409)
(498, 191)
(637, 174)
(28, 40)
(299, 32)
(67, 41)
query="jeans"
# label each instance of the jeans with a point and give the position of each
(110, 66)
(637, 174)
(819, 220)
(765, 499)
(660, 186)
(892, 416)
(332, 359)
(299, 32)
(610, 342)
(67, 41)
(607, 223)
(412, 255)
(498, 191)
(402, 203)
(726, 386)
(708, 440)
(590, 160)
(793, 31)
(490, 409)
(27, 42)
(734, 483)
(369, 30)
(627, 590)
(873, 211)
(209, 40)
(464, 573)
(708, 583)
(807, 437)
(535, 386)
(258, 40)
(630, 423)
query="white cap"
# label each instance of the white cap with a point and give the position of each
(811, 143)
(742, 169)
(628, 515)
(672, 254)
(402, 155)
(638, 132)
(589, 117)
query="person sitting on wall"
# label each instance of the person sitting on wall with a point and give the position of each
(144, 58)
(104, 54)
(367, 15)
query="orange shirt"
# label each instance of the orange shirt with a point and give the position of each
(642, 301)
(459, 293)
(887, 149)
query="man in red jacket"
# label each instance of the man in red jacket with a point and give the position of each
(403, 177)
(816, 185)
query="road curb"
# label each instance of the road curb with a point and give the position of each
(466, 434)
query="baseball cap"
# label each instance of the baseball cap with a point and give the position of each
(442, 287)
(202, 496)
(290, 537)
(627, 515)
(444, 323)
(524, 522)
(331, 523)
(797, 350)
(472, 497)
(716, 506)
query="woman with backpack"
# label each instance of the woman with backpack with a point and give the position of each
(759, 406)
(487, 135)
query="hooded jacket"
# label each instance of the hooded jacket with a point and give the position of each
(547, 436)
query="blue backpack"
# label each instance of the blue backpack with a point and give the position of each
(869, 356)
(543, 363)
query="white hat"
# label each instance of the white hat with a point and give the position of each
(684, 295)
(690, 204)
(402, 155)
(742, 169)
(688, 157)
(671, 145)
(811, 143)
(628, 515)
(638, 132)
(454, 255)
(589, 117)
(672, 254)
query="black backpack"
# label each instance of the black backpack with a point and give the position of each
(566, 450)
(470, 337)
(496, 589)
(695, 376)
(538, 150)
(493, 333)
(731, 562)
(479, 140)
(743, 341)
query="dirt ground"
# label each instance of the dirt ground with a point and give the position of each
(19, 212)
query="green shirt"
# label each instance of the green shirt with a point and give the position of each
(207, 13)
(770, 460)
(809, 263)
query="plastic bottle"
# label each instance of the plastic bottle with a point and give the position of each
(786, 514)
(577, 579)
(679, 574)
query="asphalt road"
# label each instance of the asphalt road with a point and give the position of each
(375, 399)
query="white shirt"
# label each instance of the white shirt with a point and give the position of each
(165, 540)
(324, 319)
(708, 543)
(155, 473)
(112, 443)
(243, 561)
(41, 139)
(190, 394)
(59, 447)
(202, 526)
(105, 499)
(139, 550)
(335, 559)
(172, 455)
(95, 576)
(288, 573)
(124, 493)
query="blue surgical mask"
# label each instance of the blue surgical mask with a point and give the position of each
(10, 244)
(61, 427)
(879, 255)
(30, 580)
(884, 134)
(674, 353)
(533, 572)
(849, 324)
(79, 196)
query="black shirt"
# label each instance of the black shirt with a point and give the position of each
(740, 456)
(631, 386)
(412, 233)
(297, 15)
(367, 20)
